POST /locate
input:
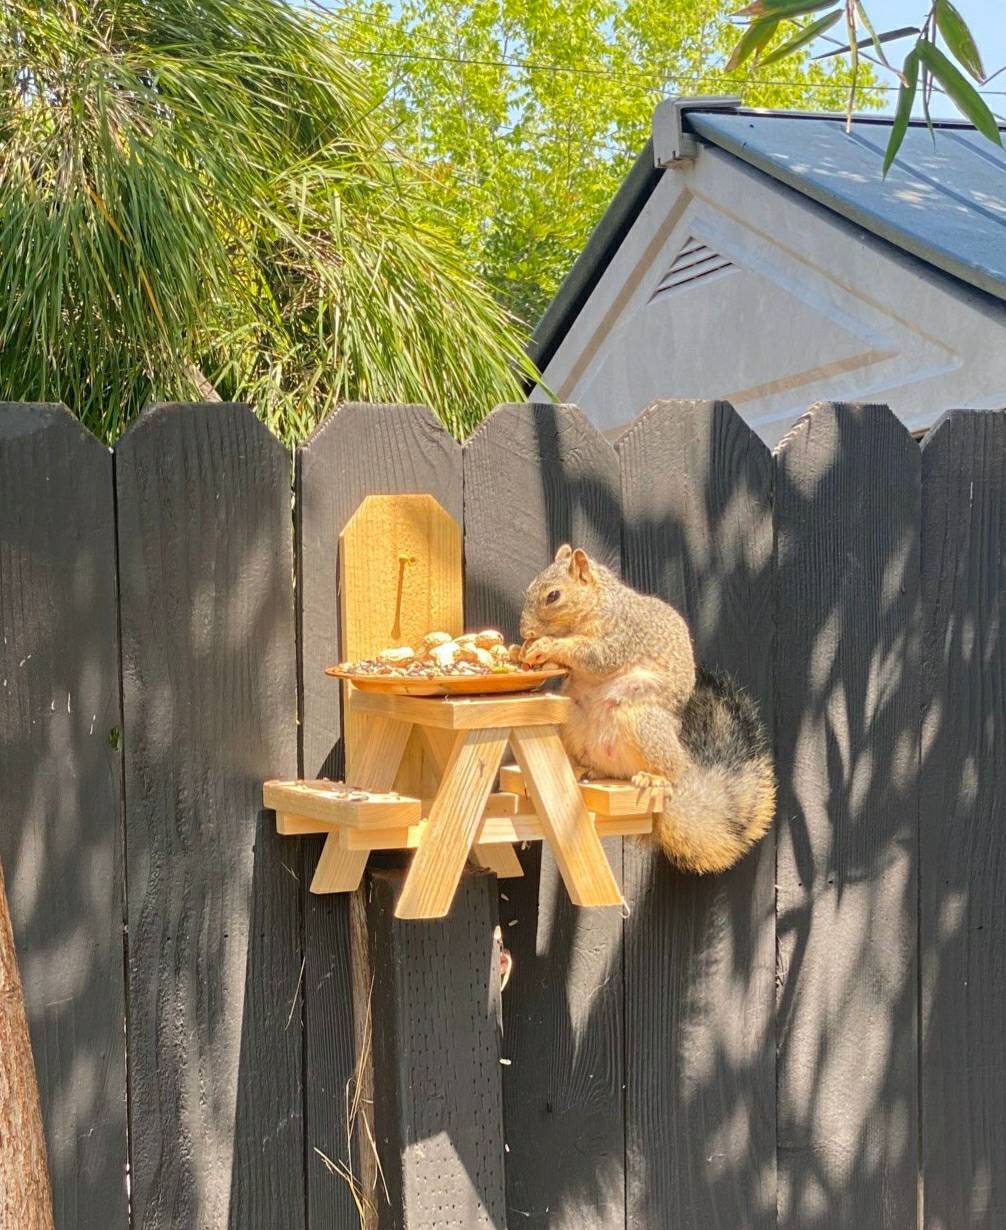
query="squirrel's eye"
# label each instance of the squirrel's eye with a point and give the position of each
(554, 596)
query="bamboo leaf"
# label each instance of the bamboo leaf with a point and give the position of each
(889, 36)
(752, 41)
(959, 38)
(903, 111)
(806, 35)
(783, 8)
(864, 17)
(960, 91)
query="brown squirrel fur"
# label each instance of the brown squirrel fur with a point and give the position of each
(642, 711)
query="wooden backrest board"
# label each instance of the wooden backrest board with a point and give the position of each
(400, 576)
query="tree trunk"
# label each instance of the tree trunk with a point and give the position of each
(25, 1198)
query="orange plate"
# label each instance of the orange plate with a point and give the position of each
(448, 685)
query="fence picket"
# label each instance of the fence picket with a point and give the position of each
(61, 786)
(365, 450)
(209, 692)
(700, 951)
(639, 1086)
(963, 821)
(847, 706)
(536, 477)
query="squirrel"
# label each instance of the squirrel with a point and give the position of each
(644, 712)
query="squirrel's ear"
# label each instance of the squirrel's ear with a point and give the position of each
(579, 566)
(563, 554)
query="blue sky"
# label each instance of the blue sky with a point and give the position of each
(987, 19)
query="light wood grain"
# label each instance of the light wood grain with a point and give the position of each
(500, 859)
(400, 577)
(606, 797)
(553, 788)
(334, 803)
(480, 713)
(375, 763)
(453, 824)
(612, 798)
(497, 830)
(504, 863)
(512, 780)
(339, 870)
(503, 804)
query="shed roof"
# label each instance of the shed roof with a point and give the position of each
(944, 203)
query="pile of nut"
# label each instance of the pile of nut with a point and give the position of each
(438, 653)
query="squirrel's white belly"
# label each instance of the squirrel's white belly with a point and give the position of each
(598, 733)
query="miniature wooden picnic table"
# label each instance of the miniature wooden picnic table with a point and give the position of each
(467, 737)
(421, 770)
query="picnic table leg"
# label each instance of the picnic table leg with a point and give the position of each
(500, 859)
(453, 824)
(340, 870)
(568, 825)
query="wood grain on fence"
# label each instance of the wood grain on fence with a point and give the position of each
(535, 478)
(368, 450)
(437, 1053)
(847, 705)
(209, 695)
(963, 821)
(60, 778)
(700, 951)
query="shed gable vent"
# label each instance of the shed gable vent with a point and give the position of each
(694, 263)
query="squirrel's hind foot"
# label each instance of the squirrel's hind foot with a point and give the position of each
(645, 780)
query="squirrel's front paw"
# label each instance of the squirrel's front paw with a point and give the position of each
(540, 652)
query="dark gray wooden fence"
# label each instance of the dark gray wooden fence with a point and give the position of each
(816, 1040)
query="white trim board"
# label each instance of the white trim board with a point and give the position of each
(806, 307)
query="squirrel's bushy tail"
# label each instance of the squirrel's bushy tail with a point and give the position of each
(725, 800)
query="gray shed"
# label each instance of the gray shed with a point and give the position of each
(761, 257)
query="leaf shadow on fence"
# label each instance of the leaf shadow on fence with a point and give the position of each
(847, 502)
(61, 793)
(846, 708)
(677, 1004)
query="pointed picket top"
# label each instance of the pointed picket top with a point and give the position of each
(379, 424)
(829, 417)
(162, 416)
(25, 418)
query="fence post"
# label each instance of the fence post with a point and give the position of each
(61, 793)
(209, 693)
(963, 819)
(440, 1152)
(537, 476)
(700, 951)
(847, 713)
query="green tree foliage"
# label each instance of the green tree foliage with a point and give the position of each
(198, 199)
(528, 113)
